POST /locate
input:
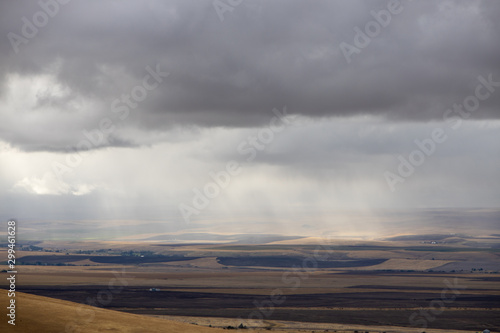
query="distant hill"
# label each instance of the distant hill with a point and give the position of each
(236, 238)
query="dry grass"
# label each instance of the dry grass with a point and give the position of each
(40, 314)
(292, 326)
(406, 264)
(43, 314)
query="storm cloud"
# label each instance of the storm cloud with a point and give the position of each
(64, 78)
(124, 109)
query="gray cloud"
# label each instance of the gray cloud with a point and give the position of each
(232, 73)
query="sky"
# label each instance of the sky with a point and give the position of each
(190, 112)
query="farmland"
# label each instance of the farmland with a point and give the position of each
(370, 286)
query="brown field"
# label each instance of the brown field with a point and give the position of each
(43, 314)
(352, 297)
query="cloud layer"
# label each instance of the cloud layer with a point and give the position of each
(123, 109)
(65, 78)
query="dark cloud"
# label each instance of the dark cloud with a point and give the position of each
(232, 73)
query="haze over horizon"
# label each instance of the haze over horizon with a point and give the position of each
(139, 111)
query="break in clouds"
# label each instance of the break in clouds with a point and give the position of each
(147, 98)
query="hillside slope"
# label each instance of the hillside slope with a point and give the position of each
(43, 314)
